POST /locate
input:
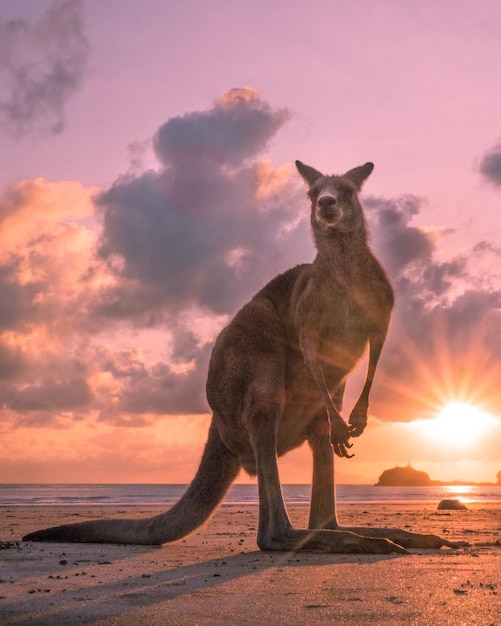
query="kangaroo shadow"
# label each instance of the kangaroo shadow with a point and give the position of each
(117, 598)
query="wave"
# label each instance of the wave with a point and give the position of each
(103, 495)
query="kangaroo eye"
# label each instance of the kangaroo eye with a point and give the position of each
(347, 193)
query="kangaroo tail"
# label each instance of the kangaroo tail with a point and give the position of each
(218, 469)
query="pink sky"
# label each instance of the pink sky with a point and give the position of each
(147, 191)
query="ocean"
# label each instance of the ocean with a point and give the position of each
(90, 494)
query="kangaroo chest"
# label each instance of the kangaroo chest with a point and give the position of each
(342, 333)
(341, 319)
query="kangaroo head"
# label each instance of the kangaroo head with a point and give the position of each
(334, 199)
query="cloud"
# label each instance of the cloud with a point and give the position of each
(160, 390)
(444, 341)
(408, 252)
(179, 262)
(45, 64)
(49, 395)
(238, 127)
(490, 165)
(206, 227)
(44, 255)
(111, 300)
(12, 362)
(45, 252)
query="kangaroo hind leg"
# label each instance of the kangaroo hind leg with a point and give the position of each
(262, 408)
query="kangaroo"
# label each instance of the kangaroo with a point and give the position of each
(276, 379)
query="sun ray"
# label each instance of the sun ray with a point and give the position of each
(448, 365)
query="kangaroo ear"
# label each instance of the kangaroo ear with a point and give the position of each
(309, 174)
(358, 175)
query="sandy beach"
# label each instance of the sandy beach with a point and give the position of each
(218, 576)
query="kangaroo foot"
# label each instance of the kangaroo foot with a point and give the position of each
(329, 541)
(403, 537)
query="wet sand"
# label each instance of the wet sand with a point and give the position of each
(218, 576)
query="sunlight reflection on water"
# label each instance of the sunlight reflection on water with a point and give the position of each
(461, 490)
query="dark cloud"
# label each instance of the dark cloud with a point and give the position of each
(185, 345)
(408, 251)
(239, 126)
(208, 227)
(17, 301)
(46, 389)
(490, 165)
(45, 64)
(12, 361)
(50, 395)
(399, 242)
(205, 231)
(136, 393)
(159, 390)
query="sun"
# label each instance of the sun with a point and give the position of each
(458, 425)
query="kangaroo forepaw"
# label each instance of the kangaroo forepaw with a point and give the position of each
(341, 449)
(357, 423)
(340, 437)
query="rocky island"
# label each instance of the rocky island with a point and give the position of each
(409, 477)
(404, 477)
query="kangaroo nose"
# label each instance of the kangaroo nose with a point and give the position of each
(326, 201)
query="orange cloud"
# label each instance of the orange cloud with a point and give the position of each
(237, 95)
(31, 207)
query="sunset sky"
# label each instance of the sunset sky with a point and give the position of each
(147, 190)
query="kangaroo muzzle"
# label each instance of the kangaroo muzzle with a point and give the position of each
(327, 208)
